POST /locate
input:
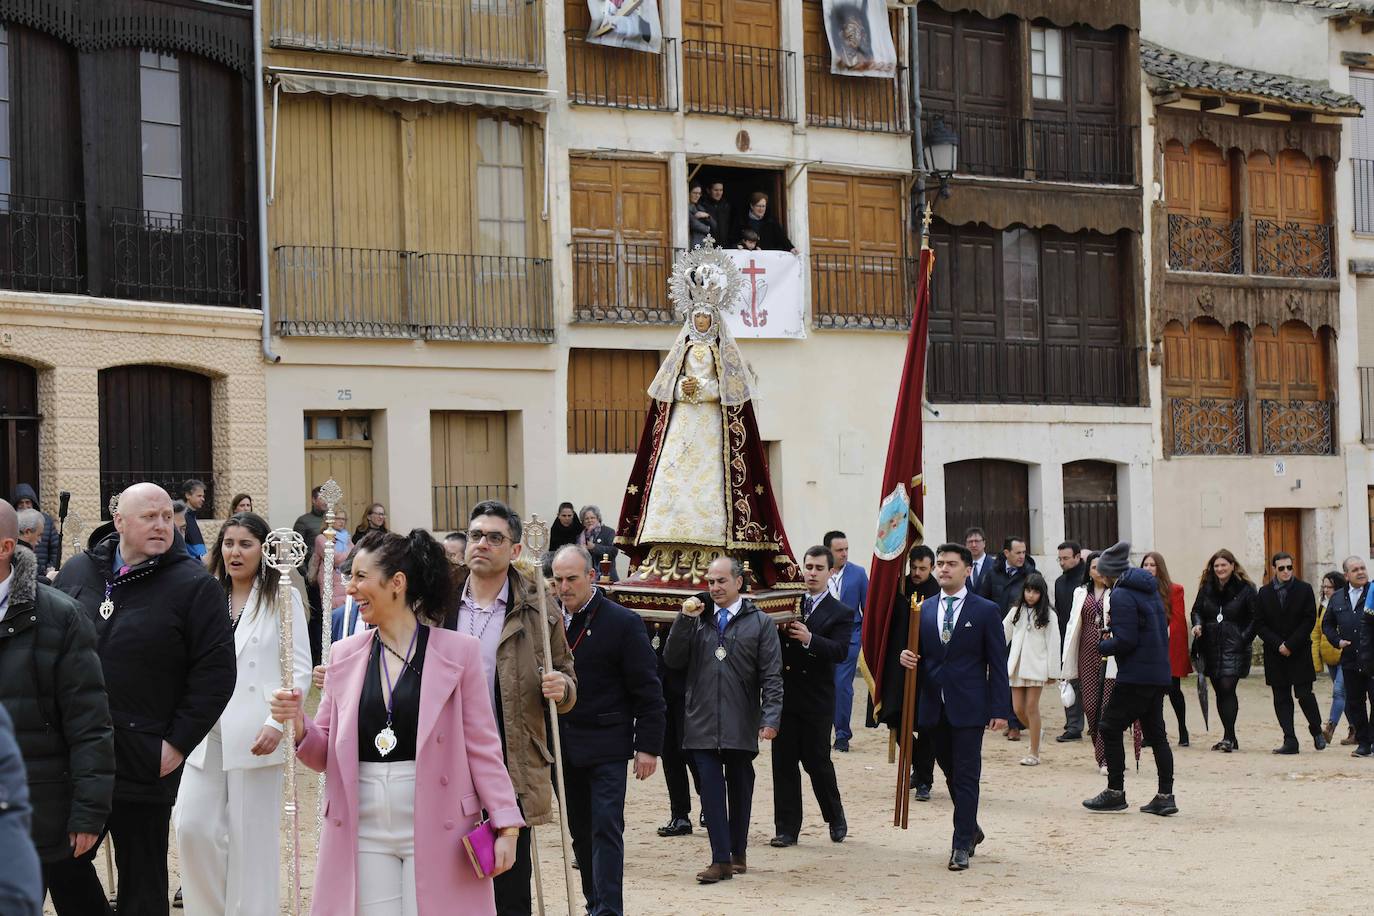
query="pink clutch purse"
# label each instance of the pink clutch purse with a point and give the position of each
(480, 845)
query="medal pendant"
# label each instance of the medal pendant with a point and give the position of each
(385, 742)
(106, 609)
(1219, 617)
(720, 653)
(656, 642)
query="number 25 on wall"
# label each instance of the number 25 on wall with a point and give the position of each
(345, 394)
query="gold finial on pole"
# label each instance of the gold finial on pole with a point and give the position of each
(284, 550)
(925, 227)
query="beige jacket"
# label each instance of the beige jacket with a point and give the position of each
(519, 657)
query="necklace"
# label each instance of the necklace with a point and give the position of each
(586, 627)
(472, 623)
(233, 618)
(385, 742)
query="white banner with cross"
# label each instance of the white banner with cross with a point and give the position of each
(772, 301)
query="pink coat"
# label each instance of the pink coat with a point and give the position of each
(458, 772)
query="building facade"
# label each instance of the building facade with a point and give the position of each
(129, 336)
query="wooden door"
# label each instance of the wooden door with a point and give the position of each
(339, 445)
(1090, 505)
(468, 464)
(966, 78)
(622, 238)
(1282, 531)
(19, 421)
(155, 425)
(991, 494)
(608, 399)
(732, 62)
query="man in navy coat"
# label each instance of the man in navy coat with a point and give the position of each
(964, 690)
(849, 586)
(619, 715)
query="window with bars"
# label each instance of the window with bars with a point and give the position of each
(1047, 63)
(500, 188)
(6, 180)
(160, 116)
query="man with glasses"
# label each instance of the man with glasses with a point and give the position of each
(1342, 625)
(1285, 613)
(501, 609)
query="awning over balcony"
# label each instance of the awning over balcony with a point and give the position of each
(473, 95)
(1100, 14)
(1000, 204)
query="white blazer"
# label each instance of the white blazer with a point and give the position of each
(1034, 651)
(1069, 665)
(256, 641)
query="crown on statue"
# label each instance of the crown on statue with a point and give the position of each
(704, 277)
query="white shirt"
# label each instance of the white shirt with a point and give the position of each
(958, 597)
(730, 612)
(5, 593)
(1354, 598)
(836, 579)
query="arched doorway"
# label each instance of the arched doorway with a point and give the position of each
(19, 420)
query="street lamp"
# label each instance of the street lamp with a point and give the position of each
(940, 146)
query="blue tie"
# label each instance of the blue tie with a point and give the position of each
(947, 624)
(722, 618)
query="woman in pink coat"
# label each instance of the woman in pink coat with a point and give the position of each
(407, 737)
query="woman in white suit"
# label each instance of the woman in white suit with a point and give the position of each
(228, 810)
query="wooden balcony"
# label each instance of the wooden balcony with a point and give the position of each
(622, 282)
(875, 105)
(1032, 372)
(861, 291)
(1289, 249)
(1201, 244)
(367, 292)
(1206, 245)
(507, 34)
(738, 80)
(1002, 146)
(619, 78)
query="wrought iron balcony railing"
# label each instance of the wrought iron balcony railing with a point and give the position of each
(1032, 372)
(41, 244)
(597, 431)
(1208, 426)
(1293, 250)
(369, 292)
(177, 257)
(452, 503)
(856, 104)
(619, 78)
(1002, 146)
(622, 282)
(489, 33)
(861, 291)
(738, 80)
(1200, 243)
(1363, 172)
(1296, 428)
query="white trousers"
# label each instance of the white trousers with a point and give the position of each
(386, 839)
(228, 825)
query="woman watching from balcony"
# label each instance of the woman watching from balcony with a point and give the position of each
(771, 234)
(700, 223)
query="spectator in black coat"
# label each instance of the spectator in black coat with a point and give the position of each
(1346, 626)
(1072, 573)
(619, 715)
(1223, 632)
(772, 237)
(1285, 613)
(51, 685)
(45, 551)
(811, 648)
(722, 215)
(921, 584)
(167, 653)
(21, 887)
(700, 222)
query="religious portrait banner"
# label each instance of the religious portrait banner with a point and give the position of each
(860, 38)
(771, 303)
(631, 24)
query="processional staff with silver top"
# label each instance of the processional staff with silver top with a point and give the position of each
(284, 550)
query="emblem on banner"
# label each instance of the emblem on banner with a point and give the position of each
(892, 522)
(751, 297)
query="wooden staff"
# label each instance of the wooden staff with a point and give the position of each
(557, 748)
(286, 550)
(913, 643)
(332, 494)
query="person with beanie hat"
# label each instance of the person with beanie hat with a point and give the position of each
(1136, 633)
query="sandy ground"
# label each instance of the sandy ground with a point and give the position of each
(1256, 833)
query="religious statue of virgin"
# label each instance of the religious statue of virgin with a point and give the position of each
(700, 487)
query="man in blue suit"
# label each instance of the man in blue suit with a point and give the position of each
(964, 688)
(849, 586)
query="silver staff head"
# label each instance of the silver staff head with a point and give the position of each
(284, 550)
(537, 538)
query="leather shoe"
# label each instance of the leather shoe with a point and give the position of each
(1364, 750)
(716, 871)
(1329, 731)
(839, 829)
(1349, 738)
(1070, 736)
(782, 841)
(842, 745)
(739, 865)
(678, 826)
(1107, 800)
(977, 838)
(1163, 805)
(1320, 742)
(1286, 748)
(701, 819)
(923, 793)
(958, 860)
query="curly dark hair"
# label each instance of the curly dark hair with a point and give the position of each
(429, 575)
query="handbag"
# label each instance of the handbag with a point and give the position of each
(1066, 693)
(480, 845)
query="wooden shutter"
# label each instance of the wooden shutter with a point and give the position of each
(965, 62)
(1301, 195)
(991, 494)
(621, 233)
(1289, 365)
(45, 121)
(212, 138)
(1197, 180)
(468, 463)
(857, 244)
(608, 398)
(1090, 504)
(18, 426)
(155, 425)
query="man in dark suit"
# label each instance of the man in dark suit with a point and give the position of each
(977, 543)
(1285, 613)
(1072, 572)
(1342, 626)
(810, 649)
(619, 715)
(848, 585)
(963, 665)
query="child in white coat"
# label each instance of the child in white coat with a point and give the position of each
(1032, 632)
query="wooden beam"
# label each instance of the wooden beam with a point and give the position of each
(1341, 23)
(1167, 97)
(1213, 103)
(1366, 26)
(1250, 108)
(1301, 117)
(1357, 59)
